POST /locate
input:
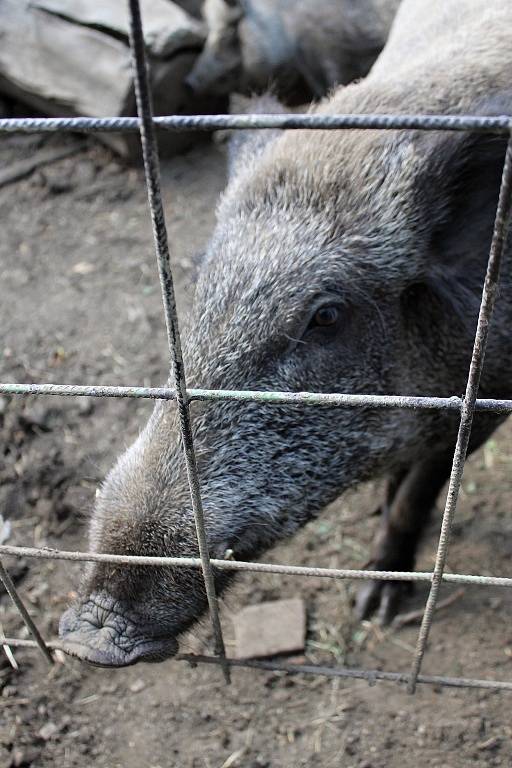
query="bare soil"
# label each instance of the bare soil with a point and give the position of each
(80, 303)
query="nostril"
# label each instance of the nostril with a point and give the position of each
(103, 617)
(96, 616)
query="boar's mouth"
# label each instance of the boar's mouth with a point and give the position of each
(103, 632)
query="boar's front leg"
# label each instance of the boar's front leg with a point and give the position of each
(411, 495)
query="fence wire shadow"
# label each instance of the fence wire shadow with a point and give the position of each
(146, 124)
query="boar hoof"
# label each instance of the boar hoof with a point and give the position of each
(381, 598)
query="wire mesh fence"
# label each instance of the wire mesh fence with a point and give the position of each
(146, 124)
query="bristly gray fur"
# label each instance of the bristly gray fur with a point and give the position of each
(393, 227)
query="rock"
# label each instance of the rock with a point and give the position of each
(48, 731)
(489, 744)
(82, 268)
(76, 61)
(137, 686)
(270, 628)
(168, 29)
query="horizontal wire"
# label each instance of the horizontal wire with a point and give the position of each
(413, 402)
(371, 675)
(475, 123)
(240, 565)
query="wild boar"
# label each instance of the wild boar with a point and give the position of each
(342, 261)
(299, 48)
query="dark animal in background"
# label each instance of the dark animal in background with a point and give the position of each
(300, 48)
(342, 261)
(191, 6)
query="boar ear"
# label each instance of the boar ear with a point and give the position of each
(458, 197)
(246, 146)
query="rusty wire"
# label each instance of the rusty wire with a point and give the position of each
(152, 171)
(13, 594)
(146, 124)
(47, 553)
(474, 123)
(370, 675)
(412, 402)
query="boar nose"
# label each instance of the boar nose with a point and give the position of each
(104, 632)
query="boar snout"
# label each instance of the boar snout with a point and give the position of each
(106, 632)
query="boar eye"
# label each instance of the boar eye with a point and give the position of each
(324, 322)
(325, 317)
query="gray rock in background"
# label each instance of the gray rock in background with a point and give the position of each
(71, 57)
(271, 628)
(167, 27)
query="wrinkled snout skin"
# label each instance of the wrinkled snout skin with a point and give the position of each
(341, 262)
(108, 633)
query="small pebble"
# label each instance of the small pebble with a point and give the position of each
(137, 686)
(48, 731)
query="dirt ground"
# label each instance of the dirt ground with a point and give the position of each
(80, 303)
